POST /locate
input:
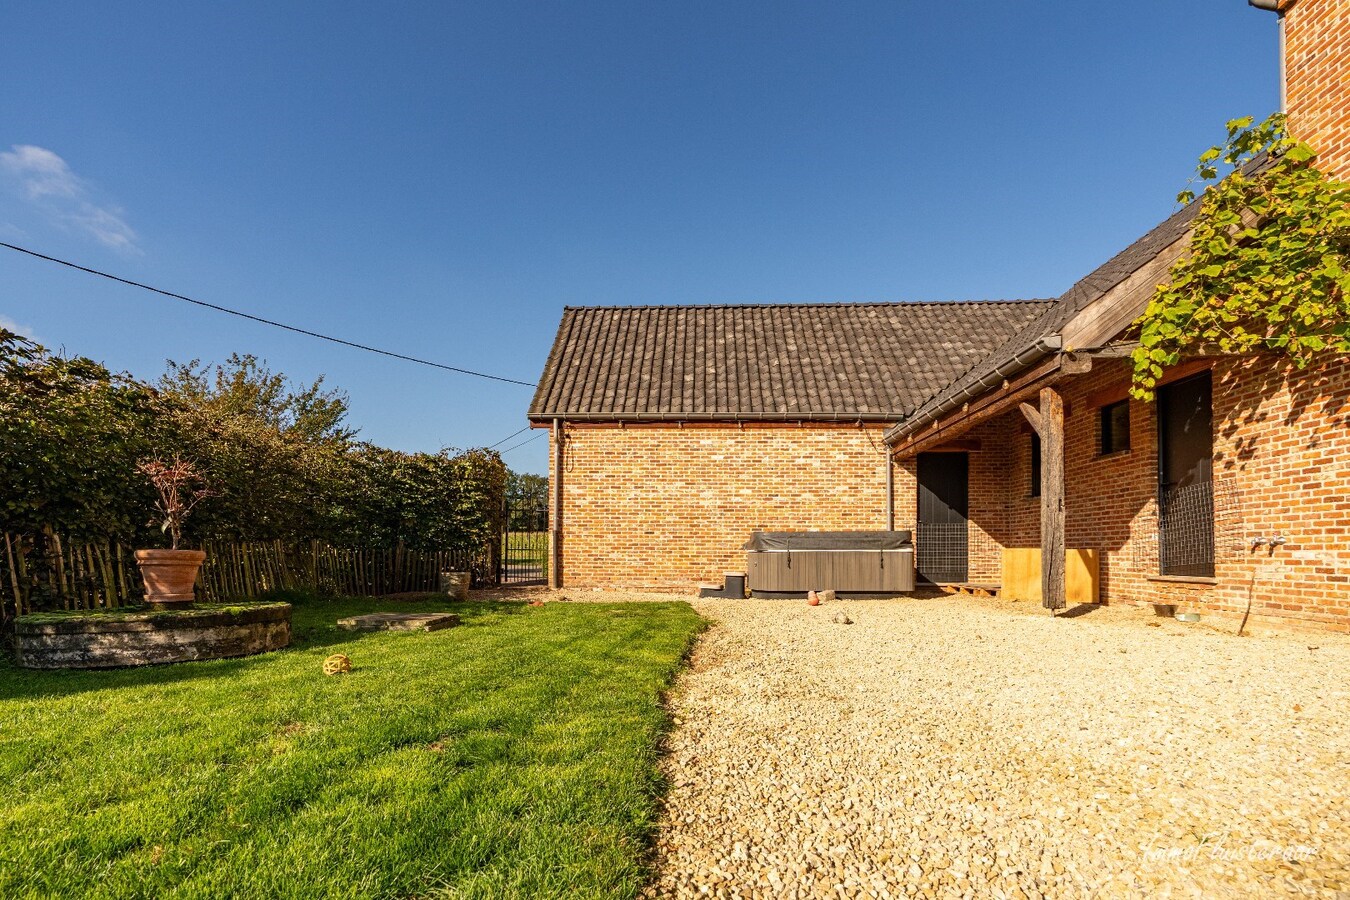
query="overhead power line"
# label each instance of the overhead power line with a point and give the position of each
(273, 323)
(523, 443)
(508, 437)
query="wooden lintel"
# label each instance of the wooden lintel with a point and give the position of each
(1033, 416)
(957, 446)
(1052, 499)
(1106, 396)
(1185, 370)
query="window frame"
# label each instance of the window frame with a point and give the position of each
(1105, 428)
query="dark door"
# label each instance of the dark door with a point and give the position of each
(942, 542)
(1186, 478)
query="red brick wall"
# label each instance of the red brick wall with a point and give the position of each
(670, 507)
(1282, 466)
(1317, 79)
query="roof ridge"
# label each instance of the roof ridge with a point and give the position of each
(814, 304)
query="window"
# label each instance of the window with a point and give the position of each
(1035, 464)
(1115, 427)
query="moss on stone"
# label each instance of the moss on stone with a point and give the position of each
(144, 613)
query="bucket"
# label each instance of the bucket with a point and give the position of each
(455, 584)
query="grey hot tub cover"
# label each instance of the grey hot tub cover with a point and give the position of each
(828, 540)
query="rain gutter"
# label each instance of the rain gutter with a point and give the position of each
(676, 417)
(1018, 364)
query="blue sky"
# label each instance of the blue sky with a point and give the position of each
(440, 179)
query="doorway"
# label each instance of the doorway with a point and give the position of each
(942, 541)
(1186, 478)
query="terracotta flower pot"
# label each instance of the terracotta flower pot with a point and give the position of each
(169, 576)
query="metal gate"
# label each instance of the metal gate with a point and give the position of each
(525, 542)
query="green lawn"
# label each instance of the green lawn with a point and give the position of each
(513, 756)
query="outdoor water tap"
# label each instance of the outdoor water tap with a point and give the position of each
(1275, 540)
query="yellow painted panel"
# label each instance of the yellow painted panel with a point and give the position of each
(1022, 574)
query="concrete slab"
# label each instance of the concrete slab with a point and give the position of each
(399, 622)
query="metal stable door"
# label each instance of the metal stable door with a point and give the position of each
(1186, 478)
(942, 538)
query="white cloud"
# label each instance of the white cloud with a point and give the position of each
(41, 172)
(46, 181)
(9, 324)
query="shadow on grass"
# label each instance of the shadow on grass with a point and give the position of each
(313, 628)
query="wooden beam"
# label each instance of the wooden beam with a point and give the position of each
(1185, 370)
(1075, 363)
(1052, 499)
(1106, 396)
(1033, 416)
(993, 403)
(1115, 351)
(1111, 313)
(969, 445)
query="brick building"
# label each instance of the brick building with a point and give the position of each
(678, 430)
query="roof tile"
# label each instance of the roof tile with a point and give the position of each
(789, 361)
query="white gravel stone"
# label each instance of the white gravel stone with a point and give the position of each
(959, 747)
(972, 748)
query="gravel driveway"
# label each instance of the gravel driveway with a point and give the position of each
(971, 748)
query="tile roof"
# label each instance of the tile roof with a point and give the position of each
(1060, 311)
(844, 361)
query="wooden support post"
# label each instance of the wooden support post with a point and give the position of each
(1051, 428)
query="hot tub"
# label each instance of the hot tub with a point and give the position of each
(789, 563)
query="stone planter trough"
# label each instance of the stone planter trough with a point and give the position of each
(138, 637)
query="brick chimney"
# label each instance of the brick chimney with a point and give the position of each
(1315, 36)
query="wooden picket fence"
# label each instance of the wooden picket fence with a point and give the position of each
(103, 575)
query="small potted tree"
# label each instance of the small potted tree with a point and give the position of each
(169, 575)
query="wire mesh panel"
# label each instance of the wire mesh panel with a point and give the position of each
(942, 538)
(942, 552)
(1186, 529)
(525, 543)
(1185, 476)
(1147, 531)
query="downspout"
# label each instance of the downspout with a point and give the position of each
(890, 491)
(555, 518)
(1284, 74)
(1279, 7)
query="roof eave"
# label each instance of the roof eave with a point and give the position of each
(730, 417)
(1019, 363)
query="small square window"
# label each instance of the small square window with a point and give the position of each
(1035, 465)
(1115, 427)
